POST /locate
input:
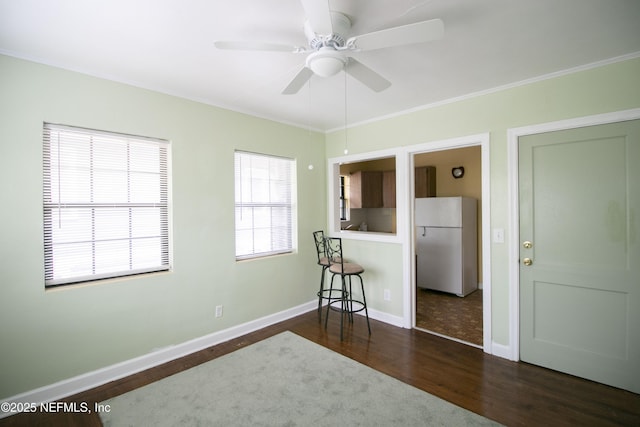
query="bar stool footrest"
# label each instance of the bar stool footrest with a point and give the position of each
(359, 306)
(328, 294)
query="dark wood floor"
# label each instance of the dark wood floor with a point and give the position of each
(515, 394)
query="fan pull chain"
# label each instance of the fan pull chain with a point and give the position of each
(346, 148)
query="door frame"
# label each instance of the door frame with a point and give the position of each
(483, 141)
(513, 134)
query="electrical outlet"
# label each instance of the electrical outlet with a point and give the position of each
(387, 295)
(218, 311)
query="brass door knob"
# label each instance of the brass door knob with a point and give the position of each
(527, 261)
(527, 245)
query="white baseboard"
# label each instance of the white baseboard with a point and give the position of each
(501, 350)
(385, 317)
(381, 316)
(89, 380)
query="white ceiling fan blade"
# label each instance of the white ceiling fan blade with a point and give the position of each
(319, 15)
(367, 76)
(298, 81)
(259, 46)
(419, 32)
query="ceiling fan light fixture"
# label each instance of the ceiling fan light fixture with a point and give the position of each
(326, 62)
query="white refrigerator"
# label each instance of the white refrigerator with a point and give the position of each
(446, 244)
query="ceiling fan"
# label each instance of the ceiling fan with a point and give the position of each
(330, 51)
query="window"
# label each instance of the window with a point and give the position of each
(106, 208)
(344, 190)
(264, 193)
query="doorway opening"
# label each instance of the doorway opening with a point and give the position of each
(447, 313)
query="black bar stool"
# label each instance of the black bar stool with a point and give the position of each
(323, 261)
(346, 270)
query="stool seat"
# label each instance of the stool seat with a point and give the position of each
(346, 268)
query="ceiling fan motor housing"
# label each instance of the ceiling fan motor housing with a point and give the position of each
(341, 26)
(327, 60)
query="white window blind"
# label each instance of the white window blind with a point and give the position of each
(264, 187)
(106, 207)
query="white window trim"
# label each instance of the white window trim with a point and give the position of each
(333, 190)
(53, 202)
(291, 205)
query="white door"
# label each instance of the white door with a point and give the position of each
(580, 252)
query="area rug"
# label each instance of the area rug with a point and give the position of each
(284, 380)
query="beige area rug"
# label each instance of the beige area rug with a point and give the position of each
(284, 380)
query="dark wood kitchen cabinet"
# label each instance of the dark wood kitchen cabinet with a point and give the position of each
(389, 189)
(425, 181)
(366, 189)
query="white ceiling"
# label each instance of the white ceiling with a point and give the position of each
(167, 45)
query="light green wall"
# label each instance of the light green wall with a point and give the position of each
(383, 265)
(599, 90)
(48, 336)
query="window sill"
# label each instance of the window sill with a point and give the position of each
(372, 236)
